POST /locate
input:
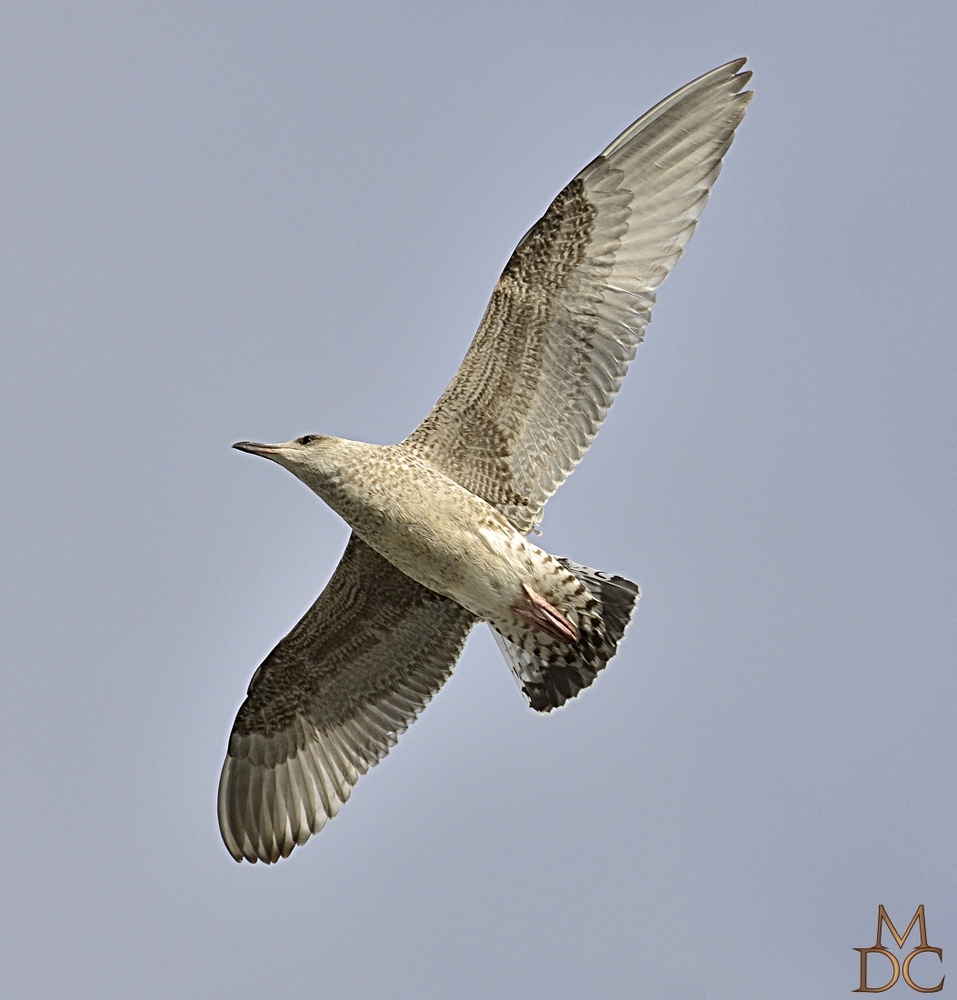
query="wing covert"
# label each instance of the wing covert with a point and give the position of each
(331, 700)
(569, 310)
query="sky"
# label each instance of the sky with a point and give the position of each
(252, 221)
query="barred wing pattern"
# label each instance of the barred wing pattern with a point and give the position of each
(331, 700)
(568, 312)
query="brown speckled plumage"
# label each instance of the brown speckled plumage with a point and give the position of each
(439, 520)
(331, 699)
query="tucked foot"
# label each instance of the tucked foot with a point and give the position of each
(541, 615)
(551, 671)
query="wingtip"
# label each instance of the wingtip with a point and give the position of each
(733, 71)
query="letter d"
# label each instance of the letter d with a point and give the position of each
(864, 988)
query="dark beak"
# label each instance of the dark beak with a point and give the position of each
(265, 450)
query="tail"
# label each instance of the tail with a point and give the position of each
(550, 672)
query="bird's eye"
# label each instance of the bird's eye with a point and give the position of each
(306, 439)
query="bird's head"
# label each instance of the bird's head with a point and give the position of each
(309, 458)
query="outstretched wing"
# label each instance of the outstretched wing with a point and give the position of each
(570, 307)
(331, 699)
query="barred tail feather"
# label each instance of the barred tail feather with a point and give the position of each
(550, 672)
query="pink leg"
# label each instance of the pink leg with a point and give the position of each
(545, 618)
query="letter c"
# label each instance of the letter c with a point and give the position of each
(910, 982)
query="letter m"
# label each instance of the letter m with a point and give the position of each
(884, 920)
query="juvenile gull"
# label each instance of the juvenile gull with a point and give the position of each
(439, 521)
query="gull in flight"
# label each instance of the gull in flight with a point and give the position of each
(440, 521)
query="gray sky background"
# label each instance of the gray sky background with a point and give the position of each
(227, 221)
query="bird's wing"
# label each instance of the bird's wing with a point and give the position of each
(331, 699)
(570, 307)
